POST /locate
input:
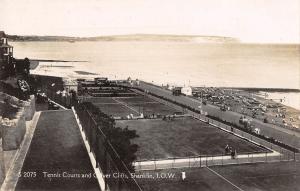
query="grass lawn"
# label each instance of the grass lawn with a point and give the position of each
(261, 176)
(100, 100)
(183, 137)
(137, 104)
(147, 105)
(154, 108)
(135, 100)
(196, 179)
(116, 110)
(57, 147)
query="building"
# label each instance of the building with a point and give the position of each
(101, 81)
(6, 56)
(176, 91)
(186, 91)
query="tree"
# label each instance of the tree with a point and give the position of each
(120, 138)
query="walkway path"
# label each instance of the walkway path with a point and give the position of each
(57, 158)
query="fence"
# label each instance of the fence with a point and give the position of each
(117, 176)
(165, 102)
(246, 136)
(67, 100)
(220, 160)
(98, 140)
(188, 108)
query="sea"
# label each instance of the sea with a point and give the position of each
(174, 63)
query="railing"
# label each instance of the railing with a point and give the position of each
(245, 135)
(117, 175)
(66, 101)
(196, 112)
(110, 163)
(214, 160)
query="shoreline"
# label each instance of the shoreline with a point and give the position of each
(253, 89)
(249, 89)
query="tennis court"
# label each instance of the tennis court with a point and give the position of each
(147, 106)
(111, 107)
(276, 176)
(124, 106)
(184, 137)
(247, 177)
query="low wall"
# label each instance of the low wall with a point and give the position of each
(14, 130)
(29, 108)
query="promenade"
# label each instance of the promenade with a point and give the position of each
(57, 158)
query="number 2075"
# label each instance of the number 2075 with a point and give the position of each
(27, 174)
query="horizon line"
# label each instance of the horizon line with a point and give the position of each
(160, 34)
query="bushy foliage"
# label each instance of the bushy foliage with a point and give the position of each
(120, 138)
(8, 111)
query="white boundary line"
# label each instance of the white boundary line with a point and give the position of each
(224, 178)
(274, 152)
(158, 100)
(240, 136)
(57, 104)
(185, 162)
(97, 103)
(139, 164)
(12, 176)
(97, 171)
(124, 104)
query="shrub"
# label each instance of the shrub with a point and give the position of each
(120, 138)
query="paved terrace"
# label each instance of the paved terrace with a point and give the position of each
(285, 135)
(56, 159)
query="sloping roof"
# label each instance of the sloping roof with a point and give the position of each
(186, 88)
(177, 88)
(2, 34)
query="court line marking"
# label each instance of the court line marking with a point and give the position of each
(141, 103)
(57, 104)
(224, 178)
(277, 175)
(124, 104)
(107, 103)
(158, 100)
(144, 103)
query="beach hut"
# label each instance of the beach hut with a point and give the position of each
(137, 82)
(186, 91)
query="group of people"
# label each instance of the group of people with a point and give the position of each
(168, 117)
(230, 151)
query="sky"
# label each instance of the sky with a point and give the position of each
(262, 21)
